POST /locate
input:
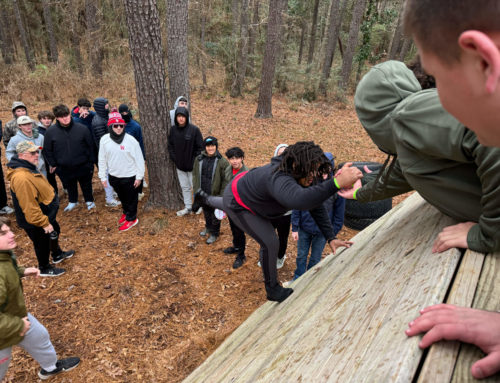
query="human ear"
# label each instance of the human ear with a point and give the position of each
(487, 50)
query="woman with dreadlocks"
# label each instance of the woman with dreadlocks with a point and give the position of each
(254, 198)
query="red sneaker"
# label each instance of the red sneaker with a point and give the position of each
(122, 219)
(129, 224)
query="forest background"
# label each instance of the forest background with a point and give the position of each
(151, 306)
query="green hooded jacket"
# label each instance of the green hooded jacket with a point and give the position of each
(218, 173)
(436, 156)
(12, 306)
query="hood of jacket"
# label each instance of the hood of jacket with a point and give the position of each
(176, 104)
(17, 104)
(184, 112)
(379, 92)
(278, 148)
(99, 107)
(16, 163)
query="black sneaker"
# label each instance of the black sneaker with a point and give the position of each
(51, 272)
(239, 261)
(230, 250)
(62, 256)
(278, 293)
(62, 365)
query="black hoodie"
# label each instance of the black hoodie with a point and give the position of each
(184, 143)
(100, 120)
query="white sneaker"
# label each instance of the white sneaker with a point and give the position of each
(280, 262)
(258, 264)
(287, 283)
(200, 210)
(144, 184)
(183, 212)
(70, 206)
(6, 210)
(140, 196)
(90, 205)
(113, 203)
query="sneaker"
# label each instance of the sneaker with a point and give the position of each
(51, 271)
(199, 211)
(115, 195)
(278, 293)
(280, 262)
(62, 256)
(258, 264)
(239, 261)
(90, 205)
(230, 250)
(183, 212)
(287, 283)
(71, 206)
(212, 239)
(140, 196)
(113, 203)
(122, 219)
(129, 224)
(204, 232)
(6, 210)
(144, 184)
(62, 365)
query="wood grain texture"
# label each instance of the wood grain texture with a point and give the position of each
(440, 361)
(486, 298)
(345, 320)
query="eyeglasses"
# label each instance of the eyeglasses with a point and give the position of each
(119, 126)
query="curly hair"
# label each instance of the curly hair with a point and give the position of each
(304, 158)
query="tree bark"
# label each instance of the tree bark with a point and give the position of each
(6, 42)
(312, 40)
(336, 13)
(96, 52)
(273, 42)
(203, 55)
(54, 56)
(22, 33)
(239, 76)
(177, 50)
(146, 51)
(398, 35)
(302, 40)
(357, 16)
(74, 34)
(235, 4)
(253, 36)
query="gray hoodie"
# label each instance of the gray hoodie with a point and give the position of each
(172, 112)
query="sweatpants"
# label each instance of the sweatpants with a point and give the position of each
(37, 343)
(41, 243)
(259, 228)
(82, 175)
(186, 182)
(282, 226)
(239, 239)
(127, 194)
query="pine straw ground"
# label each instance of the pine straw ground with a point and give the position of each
(151, 304)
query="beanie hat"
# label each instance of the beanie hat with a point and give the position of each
(115, 118)
(210, 140)
(123, 108)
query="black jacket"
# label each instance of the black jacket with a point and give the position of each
(184, 143)
(100, 120)
(270, 194)
(68, 147)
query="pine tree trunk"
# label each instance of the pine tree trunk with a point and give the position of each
(357, 16)
(202, 43)
(398, 35)
(253, 36)
(146, 51)
(336, 14)
(239, 78)
(235, 4)
(96, 53)
(312, 40)
(54, 56)
(177, 50)
(302, 40)
(74, 34)
(5, 38)
(273, 42)
(24, 40)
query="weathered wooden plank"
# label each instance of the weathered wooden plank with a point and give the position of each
(487, 297)
(440, 361)
(346, 319)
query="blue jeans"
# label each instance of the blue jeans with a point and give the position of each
(316, 242)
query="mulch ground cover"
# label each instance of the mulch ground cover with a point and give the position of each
(151, 304)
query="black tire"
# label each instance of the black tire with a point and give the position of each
(360, 215)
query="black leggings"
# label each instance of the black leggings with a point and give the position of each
(259, 228)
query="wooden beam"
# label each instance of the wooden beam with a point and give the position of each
(345, 320)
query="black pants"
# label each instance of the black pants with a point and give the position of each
(211, 222)
(41, 243)
(239, 239)
(3, 192)
(51, 177)
(282, 226)
(127, 194)
(82, 175)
